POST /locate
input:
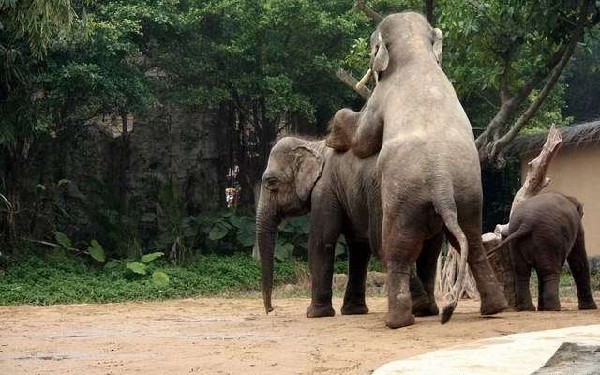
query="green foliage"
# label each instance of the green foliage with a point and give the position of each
(146, 265)
(94, 250)
(63, 240)
(58, 280)
(36, 21)
(480, 37)
(582, 77)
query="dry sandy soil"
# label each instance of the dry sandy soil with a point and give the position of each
(234, 336)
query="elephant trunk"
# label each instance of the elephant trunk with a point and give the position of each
(267, 221)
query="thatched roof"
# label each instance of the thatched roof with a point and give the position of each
(574, 135)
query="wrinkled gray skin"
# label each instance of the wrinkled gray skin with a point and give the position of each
(342, 193)
(544, 231)
(428, 164)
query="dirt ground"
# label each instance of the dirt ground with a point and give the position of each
(234, 336)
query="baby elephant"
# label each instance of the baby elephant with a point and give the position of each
(544, 231)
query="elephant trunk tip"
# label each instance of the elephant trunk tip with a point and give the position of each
(268, 309)
(448, 310)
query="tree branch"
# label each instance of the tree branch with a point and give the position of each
(490, 149)
(348, 79)
(429, 4)
(536, 178)
(551, 81)
(360, 5)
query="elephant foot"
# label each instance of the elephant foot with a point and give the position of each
(320, 311)
(493, 305)
(549, 308)
(526, 307)
(421, 306)
(396, 320)
(586, 305)
(357, 309)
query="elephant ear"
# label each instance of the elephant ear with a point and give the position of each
(309, 165)
(437, 45)
(381, 59)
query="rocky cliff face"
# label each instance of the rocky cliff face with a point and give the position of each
(79, 183)
(182, 149)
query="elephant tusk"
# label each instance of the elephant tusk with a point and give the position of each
(364, 80)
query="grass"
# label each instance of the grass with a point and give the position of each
(567, 287)
(65, 280)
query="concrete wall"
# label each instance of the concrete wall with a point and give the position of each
(575, 171)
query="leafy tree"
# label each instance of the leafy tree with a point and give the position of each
(583, 80)
(515, 53)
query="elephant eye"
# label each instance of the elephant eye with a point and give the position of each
(270, 183)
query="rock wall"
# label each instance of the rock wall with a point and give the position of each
(78, 182)
(181, 148)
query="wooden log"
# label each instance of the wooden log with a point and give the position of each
(348, 79)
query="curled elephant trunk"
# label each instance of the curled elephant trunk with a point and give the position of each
(363, 80)
(266, 233)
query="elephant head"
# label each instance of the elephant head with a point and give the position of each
(415, 27)
(293, 169)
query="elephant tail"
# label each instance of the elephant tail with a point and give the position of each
(449, 216)
(522, 231)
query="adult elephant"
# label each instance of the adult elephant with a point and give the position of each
(544, 231)
(342, 194)
(428, 164)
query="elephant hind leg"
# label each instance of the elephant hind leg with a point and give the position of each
(548, 285)
(580, 270)
(359, 254)
(426, 267)
(522, 275)
(401, 249)
(490, 290)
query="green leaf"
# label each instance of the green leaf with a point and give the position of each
(137, 267)
(217, 233)
(147, 258)
(97, 251)
(63, 240)
(246, 238)
(160, 278)
(284, 251)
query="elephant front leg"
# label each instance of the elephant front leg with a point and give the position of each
(321, 271)
(359, 255)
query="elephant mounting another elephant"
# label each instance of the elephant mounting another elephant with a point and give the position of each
(544, 231)
(428, 164)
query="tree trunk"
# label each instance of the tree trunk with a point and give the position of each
(429, 11)
(535, 181)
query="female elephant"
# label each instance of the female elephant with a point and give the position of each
(544, 231)
(428, 164)
(342, 193)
